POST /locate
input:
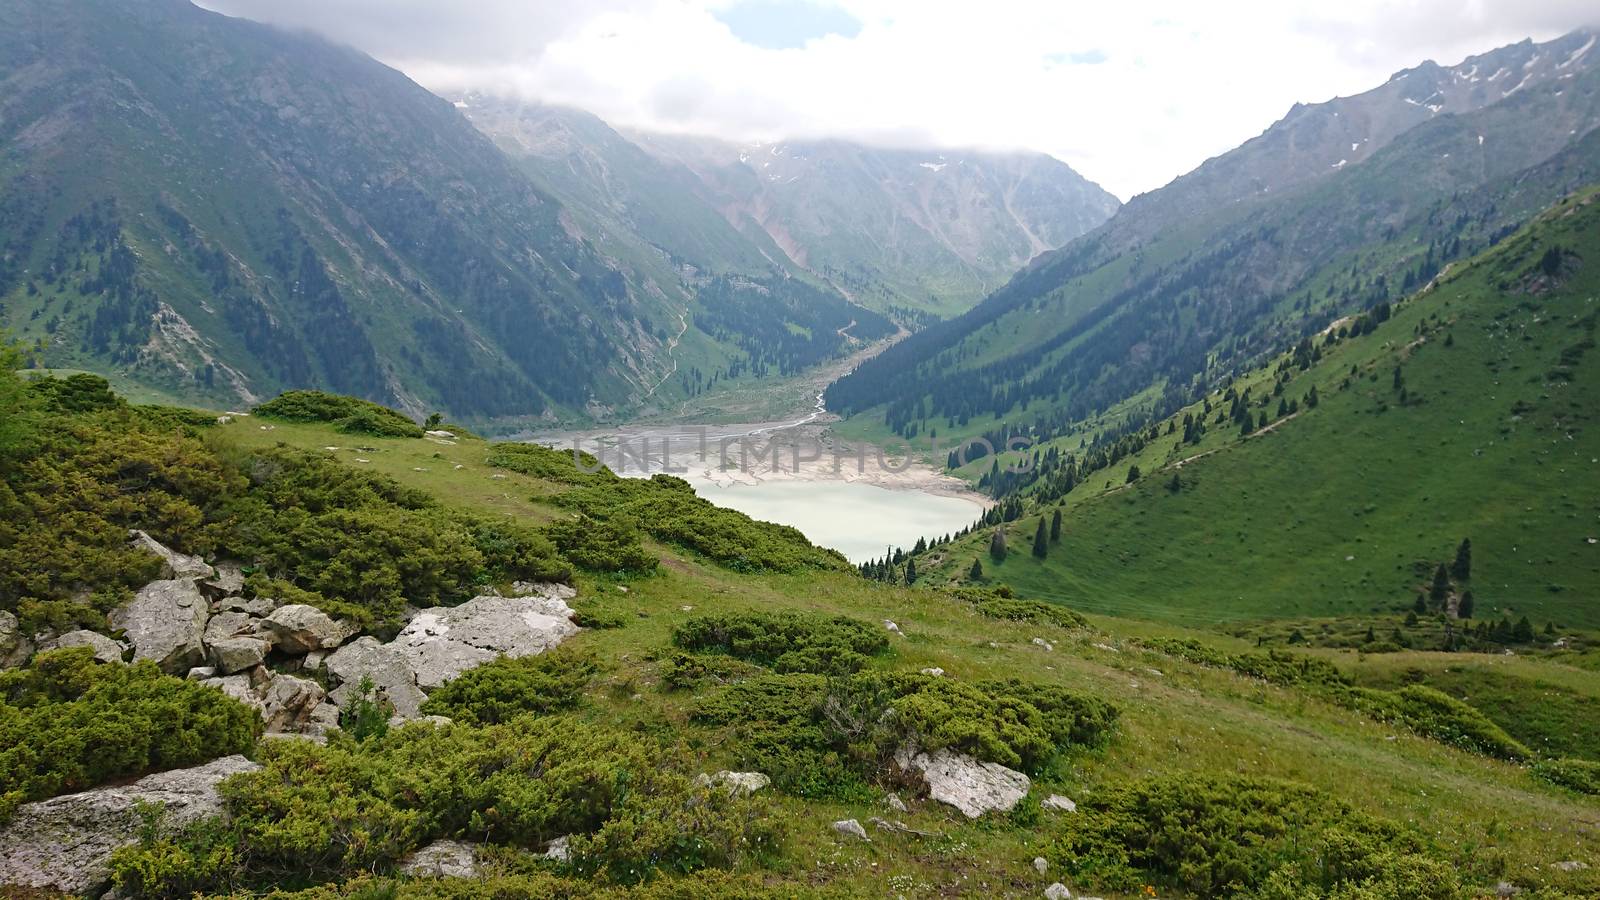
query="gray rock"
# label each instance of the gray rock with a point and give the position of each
(560, 849)
(237, 654)
(227, 580)
(443, 859)
(442, 642)
(231, 623)
(324, 717)
(288, 702)
(737, 784)
(1570, 865)
(259, 607)
(390, 672)
(239, 687)
(1041, 865)
(895, 803)
(934, 671)
(851, 828)
(15, 648)
(202, 673)
(165, 622)
(174, 564)
(313, 661)
(105, 649)
(543, 590)
(960, 781)
(1058, 803)
(1057, 891)
(65, 843)
(298, 628)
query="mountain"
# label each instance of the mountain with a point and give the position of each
(222, 210)
(911, 229)
(1333, 480)
(1335, 208)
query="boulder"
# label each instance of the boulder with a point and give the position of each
(895, 803)
(288, 702)
(232, 623)
(174, 564)
(201, 673)
(15, 648)
(165, 622)
(1041, 865)
(970, 786)
(298, 628)
(389, 670)
(238, 687)
(65, 843)
(1057, 891)
(1570, 865)
(442, 642)
(323, 718)
(737, 784)
(1058, 803)
(105, 649)
(560, 849)
(443, 859)
(227, 580)
(933, 671)
(543, 590)
(237, 654)
(259, 607)
(851, 828)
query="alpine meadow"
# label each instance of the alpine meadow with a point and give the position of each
(700, 450)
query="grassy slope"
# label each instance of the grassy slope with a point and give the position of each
(1176, 717)
(1331, 513)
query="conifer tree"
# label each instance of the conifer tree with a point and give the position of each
(1523, 632)
(997, 545)
(1440, 589)
(1041, 540)
(1055, 527)
(976, 572)
(1464, 608)
(911, 571)
(1461, 569)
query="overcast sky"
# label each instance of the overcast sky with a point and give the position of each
(1131, 94)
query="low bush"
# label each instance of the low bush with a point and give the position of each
(786, 641)
(668, 509)
(687, 670)
(1231, 836)
(505, 688)
(602, 546)
(317, 812)
(348, 414)
(819, 737)
(68, 723)
(1579, 775)
(709, 885)
(1438, 715)
(1002, 603)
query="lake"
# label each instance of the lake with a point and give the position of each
(858, 519)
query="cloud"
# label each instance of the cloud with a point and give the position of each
(1131, 97)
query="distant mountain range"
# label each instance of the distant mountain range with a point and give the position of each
(1335, 208)
(222, 210)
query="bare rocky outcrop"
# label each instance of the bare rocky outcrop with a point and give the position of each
(390, 671)
(298, 628)
(65, 843)
(958, 780)
(443, 859)
(232, 655)
(442, 642)
(227, 580)
(166, 622)
(174, 565)
(105, 649)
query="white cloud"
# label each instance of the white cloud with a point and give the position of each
(1131, 97)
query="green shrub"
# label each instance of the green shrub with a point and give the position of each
(786, 641)
(68, 723)
(602, 546)
(80, 393)
(1580, 775)
(505, 688)
(349, 414)
(1242, 836)
(1438, 715)
(687, 670)
(706, 885)
(668, 509)
(820, 737)
(1001, 603)
(317, 812)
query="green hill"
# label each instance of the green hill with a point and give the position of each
(1468, 413)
